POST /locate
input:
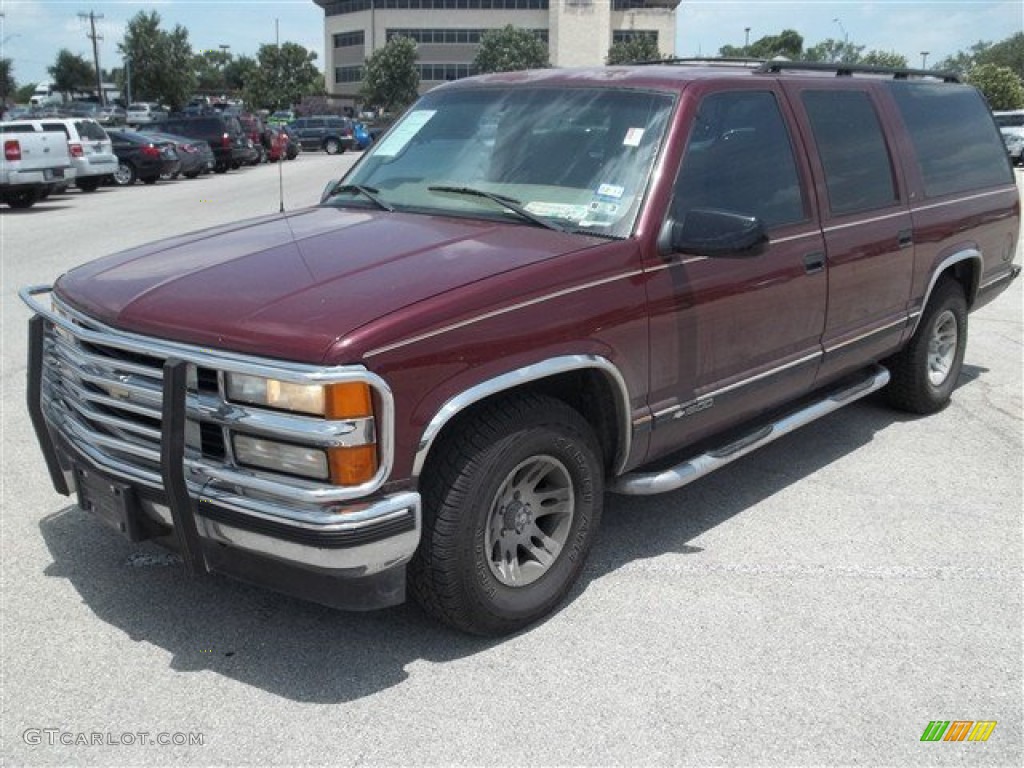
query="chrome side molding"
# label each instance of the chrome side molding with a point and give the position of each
(650, 483)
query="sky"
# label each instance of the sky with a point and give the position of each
(32, 31)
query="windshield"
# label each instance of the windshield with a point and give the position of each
(1010, 121)
(578, 158)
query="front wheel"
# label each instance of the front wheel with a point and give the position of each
(332, 146)
(511, 507)
(925, 372)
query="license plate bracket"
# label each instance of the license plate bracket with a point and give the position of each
(111, 502)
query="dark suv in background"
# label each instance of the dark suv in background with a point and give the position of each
(327, 132)
(223, 133)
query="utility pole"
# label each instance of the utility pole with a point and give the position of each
(91, 34)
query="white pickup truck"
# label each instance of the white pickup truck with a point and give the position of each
(31, 164)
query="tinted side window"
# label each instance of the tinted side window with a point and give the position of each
(57, 127)
(957, 144)
(858, 168)
(739, 158)
(315, 124)
(87, 129)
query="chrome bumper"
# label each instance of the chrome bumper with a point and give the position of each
(351, 539)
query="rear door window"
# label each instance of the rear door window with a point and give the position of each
(852, 148)
(57, 127)
(88, 129)
(956, 141)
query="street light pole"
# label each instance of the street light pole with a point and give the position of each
(746, 38)
(127, 81)
(226, 50)
(924, 59)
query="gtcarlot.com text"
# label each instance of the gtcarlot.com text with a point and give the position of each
(52, 737)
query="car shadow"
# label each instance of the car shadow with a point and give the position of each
(305, 652)
(50, 204)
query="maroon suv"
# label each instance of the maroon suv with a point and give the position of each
(536, 287)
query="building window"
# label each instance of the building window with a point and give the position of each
(445, 5)
(346, 6)
(449, 36)
(443, 72)
(350, 39)
(628, 5)
(627, 35)
(348, 74)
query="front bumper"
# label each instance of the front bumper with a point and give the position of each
(348, 556)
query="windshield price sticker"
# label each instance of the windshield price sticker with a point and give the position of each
(404, 132)
(633, 137)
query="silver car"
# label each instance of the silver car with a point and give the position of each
(92, 152)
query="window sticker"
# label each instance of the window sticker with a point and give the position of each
(633, 137)
(404, 132)
(610, 190)
(566, 211)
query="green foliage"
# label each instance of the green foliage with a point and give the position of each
(161, 62)
(1008, 53)
(209, 67)
(1001, 86)
(24, 93)
(238, 72)
(7, 84)
(834, 52)
(71, 72)
(637, 49)
(282, 77)
(391, 80)
(509, 50)
(885, 59)
(788, 43)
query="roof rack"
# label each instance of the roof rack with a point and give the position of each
(736, 62)
(848, 70)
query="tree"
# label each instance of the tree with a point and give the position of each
(509, 50)
(834, 52)
(642, 48)
(24, 93)
(1008, 53)
(391, 80)
(885, 59)
(964, 61)
(240, 71)
(7, 84)
(1000, 85)
(283, 76)
(71, 72)
(161, 62)
(209, 67)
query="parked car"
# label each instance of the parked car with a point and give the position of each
(254, 131)
(329, 133)
(224, 135)
(194, 155)
(88, 143)
(144, 113)
(32, 162)
(431, 379)
(281, 117)
(15, 112)
(112, 116)
(276, 142)
(140, 157)
(1011, 126)
(294, 145)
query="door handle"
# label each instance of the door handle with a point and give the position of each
(906, 238)
(814, 263)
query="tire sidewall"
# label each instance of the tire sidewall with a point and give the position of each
(527, 603)
(951, 300)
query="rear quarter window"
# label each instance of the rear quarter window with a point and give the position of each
(87, 129)
(57, 127)
(956, 141)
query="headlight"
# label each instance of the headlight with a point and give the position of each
(334, 401)
(281, 457)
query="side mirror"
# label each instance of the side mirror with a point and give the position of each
(715, 234)
(328, 189)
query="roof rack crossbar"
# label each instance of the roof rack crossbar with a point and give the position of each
(848, 70)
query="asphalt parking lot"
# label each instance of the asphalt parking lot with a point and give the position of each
(818, 602)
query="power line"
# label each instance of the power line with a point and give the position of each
(95, 52)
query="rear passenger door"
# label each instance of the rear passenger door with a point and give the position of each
(866, 223)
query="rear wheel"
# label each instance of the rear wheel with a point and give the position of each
(88, 184)
(221, 168)
(332, 146)
(24, 198)
(511, 508)
(125, 174)
(150, 180)
(191, 174)
(925, 372)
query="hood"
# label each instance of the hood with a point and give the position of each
(291, 285)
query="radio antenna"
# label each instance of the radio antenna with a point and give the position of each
(280, 159)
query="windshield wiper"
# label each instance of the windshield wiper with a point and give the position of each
(369, 193)
(505, 202)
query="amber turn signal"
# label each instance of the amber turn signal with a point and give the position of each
(353, 466)
(349, 400)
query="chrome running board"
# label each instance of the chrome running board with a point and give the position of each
(647, 484)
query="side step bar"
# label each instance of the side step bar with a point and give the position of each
(647, 484)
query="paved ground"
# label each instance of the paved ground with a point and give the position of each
(818, 602)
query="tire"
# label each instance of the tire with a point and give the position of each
(220, 168)
(124, 176)
(925, 371)
(22, 199)
(191, 174)
(488, 563)
(261, 157)
(333, 147)
(151, 180)
(88, 184)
